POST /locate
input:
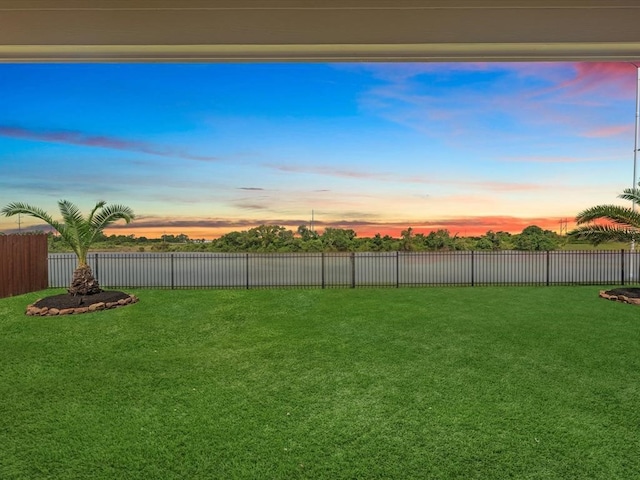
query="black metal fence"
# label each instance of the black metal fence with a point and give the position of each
(351, 270)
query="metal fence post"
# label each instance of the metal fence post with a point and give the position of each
(322, 269)
(473, 269)
(247, 271)
(397, 269)
(548, 267)
(96, 270)
(353, 270)
(622, 266)
(172, 273)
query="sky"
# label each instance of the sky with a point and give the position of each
(205, 149)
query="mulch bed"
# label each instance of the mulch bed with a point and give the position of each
(623, 294)
(66, 304)
(627, 292)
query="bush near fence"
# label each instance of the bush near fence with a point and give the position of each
(351, 270)
(23, 264)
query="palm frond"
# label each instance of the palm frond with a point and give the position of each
(70, 213)
(25, 209)
(111, 213)
(98, 206)
(99, 220)
(78, 230)
(597, 234)
(91, 231)
(614, 213)
(631, 194)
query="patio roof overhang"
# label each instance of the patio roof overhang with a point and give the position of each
(318, 30)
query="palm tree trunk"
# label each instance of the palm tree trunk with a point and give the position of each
(83, 282)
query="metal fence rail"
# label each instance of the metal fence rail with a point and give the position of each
(351, 270)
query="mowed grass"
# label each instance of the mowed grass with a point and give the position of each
(602, 246)
(442, 383)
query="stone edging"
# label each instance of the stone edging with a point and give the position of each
(34, 311)
(620, 298)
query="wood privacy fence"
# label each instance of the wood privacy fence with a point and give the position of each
(23, 264)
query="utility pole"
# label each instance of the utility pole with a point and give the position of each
(635, 163)
(563, 226)
(637, 134)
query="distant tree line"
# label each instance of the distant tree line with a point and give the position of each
(621, 224)
(276, 238)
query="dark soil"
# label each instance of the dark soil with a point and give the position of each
(627, 292)
(66, 300)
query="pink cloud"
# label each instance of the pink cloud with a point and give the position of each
(593, 79)
(585, 84)
(610, 131)
(70, 137)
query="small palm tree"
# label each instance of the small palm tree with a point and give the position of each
(623, 223)
(78, 232)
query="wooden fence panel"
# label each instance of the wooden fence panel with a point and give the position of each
(23, 264)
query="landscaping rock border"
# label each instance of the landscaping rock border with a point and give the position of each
(622, 295)
(34, 311)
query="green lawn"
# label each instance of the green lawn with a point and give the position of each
(603, 246)
(442, 383)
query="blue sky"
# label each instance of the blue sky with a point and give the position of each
(204, 149)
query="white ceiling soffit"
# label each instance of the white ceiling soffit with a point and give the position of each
(318, 30)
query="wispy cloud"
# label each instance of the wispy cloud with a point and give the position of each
(70, 137)
(56, 188)
(251, 189)
(609, 131)
(401, 72)
(558, 159)
(323, 170)
(616, 78)
(65, 178)
(249, 206)
(541, 95)
(410, 179)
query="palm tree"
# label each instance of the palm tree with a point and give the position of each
(623, 224)
(79, 233)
